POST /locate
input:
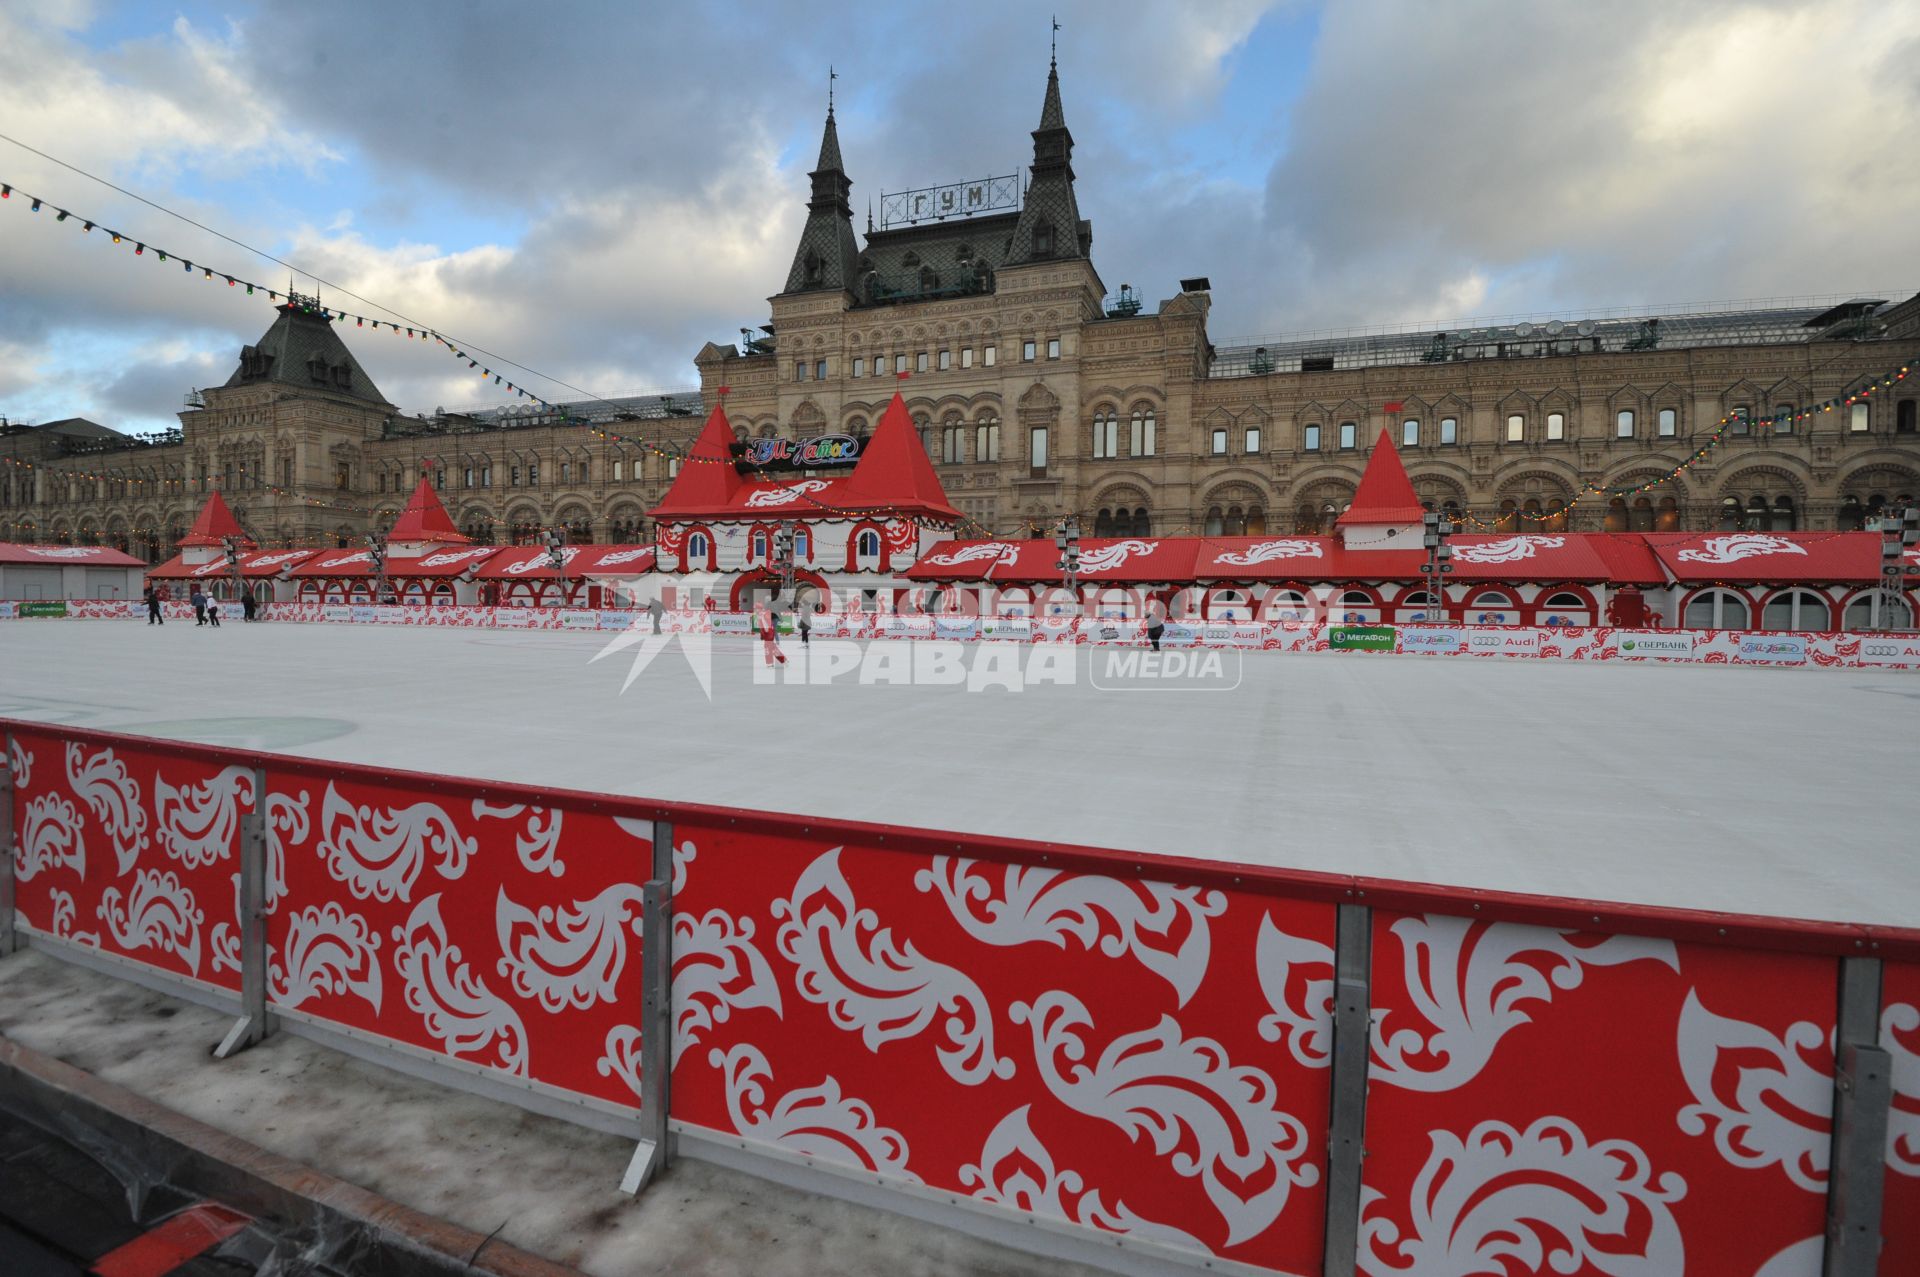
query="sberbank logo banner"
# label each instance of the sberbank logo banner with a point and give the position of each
(1360, 638)
(1651, 643)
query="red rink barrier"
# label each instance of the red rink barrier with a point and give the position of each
(1136, 1057)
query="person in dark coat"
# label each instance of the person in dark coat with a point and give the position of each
(803, 618)
(153, 608)
(1156, 622)
(248, 606)
(199, 602)
(658, 611)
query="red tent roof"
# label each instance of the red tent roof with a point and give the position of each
(1768, 556)
(214, 524)
(264, 563)
(96, 556)
(1385, 494)
(707, 481)
(1629, 560)
(894, 472)
(439, 563)
(425, 519)
(1102, 559)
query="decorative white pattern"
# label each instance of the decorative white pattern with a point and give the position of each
(458, 1008)
(1268, 551)
(159, 913)
(1304, 1019)
(1898, 1021)
(61, 551)
(19, 765)
(114, 798)
(568, 957)
(447, 558)
(1732, 549)
(286, 821)
(539, 843)
(381, 853)
(50, 837)
(1000, 552)
(64, 913)
(786, 494)
(544, 559)
(622, 1056)
(1211, 1118)
(223, 943)
(1017, 1170)
(1468, 981)
(717, 970)
(1506, 550)
(274, 560)
(816, 1121)
(623, 556)
(869, 983)
(201, 823)
(1544, 1199)
(1109, 557)
(1802, 1259)
(329, 952)
(1047, 905)
(1779, 1109)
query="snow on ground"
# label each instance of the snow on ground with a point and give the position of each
(1769, 791)
(548, 1187)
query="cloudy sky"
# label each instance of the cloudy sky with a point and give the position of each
(595, 189)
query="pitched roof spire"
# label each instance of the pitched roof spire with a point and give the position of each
(1385, 494)
(827, 258)
(426, 520)
(215, 524)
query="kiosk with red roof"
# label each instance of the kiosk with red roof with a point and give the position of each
(723, 523)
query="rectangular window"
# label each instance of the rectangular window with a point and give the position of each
(1783, 419)
(954, 451)
(1410, 433)
(513, 476)
(467, 477)
(1857, 418)
(1349, 434)
(380, 485)
(586, 468)
(1037, 450)
(946, 360)
(899, 363)
(1253, 440)
(1217, 442)
(1669, 423)
(1143, 434)
(565, 467)
(1027, 349)
(486, 476)
(673, 467)
(1449, 431)
(800, 370)
(859, 367)
(966, 357)
(1556, 425)
(820, 370)
(987, 355)
(1623, 424)
(1106, 436)
(1516, 428)
(920, 362)
(1742, 415)
(533, 476)
(1312, 443)
(619, 471)
(1053, 348)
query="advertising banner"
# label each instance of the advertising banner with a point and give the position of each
(956, 627)
(732, 623)
(1432, 640)
(579, 619)
(1006, 627)
(904, 626)
(513, 618)
(1360, 638)
(1669, 645)
(620, 620)
(336, 612)
(9, 611)
(1887, 649)
(1773, 649)
(47, 607)
(1504, 643)
(361, 614)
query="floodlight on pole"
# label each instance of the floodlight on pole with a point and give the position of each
(1067, 540)
(1436, 528)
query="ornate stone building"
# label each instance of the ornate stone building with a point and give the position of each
(1036, 396)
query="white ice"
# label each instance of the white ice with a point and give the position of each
(1765, 791)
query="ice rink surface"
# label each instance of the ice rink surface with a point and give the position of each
(1767, 791)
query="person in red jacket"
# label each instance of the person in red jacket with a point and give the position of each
(769, 636)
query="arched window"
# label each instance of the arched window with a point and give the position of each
(1216, 523)
(1784, 515)
(1509, 519)
(1286, 605)
(759, 550)
(1796, 610)
(1715, 610)
(1256, 520)
(1141, 436)
(1853, 516)
(1516, 428)
(867, 544)
(1903, 417)
(1103, 523)
(986, 438)
(1879, 610)
(1666, 517)
(1106, 435)
(1235, 524)
(697, 546)
(1642, 516)
(953, 441)
(1731, 515)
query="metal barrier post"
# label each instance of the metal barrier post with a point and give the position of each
(1862, 1097)
(8, 940)
(251, 1027)
(655, 1150)
(1347, 1112)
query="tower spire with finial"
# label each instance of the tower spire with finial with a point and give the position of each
(831, 77)
(1053, 43)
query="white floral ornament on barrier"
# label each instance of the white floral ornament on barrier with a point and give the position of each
(113, 796)
(381, 852)
(1778, 1112)
(568, 957)
(816, 1121)
(200, 823)
(458, 1008)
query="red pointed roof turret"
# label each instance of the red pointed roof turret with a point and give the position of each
(895, 472)
(1385, 494)
(707, 478)
(426, 520)
(214, 524)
